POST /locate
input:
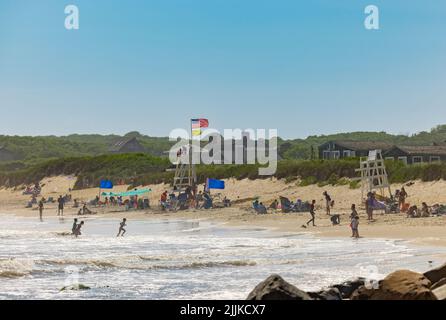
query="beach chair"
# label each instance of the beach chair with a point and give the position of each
(305, 207)
(146, 203)
(261, 209)
(208, 203)
(285, 204)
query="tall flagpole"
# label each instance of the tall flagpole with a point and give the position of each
(190, 154)
(192, 175)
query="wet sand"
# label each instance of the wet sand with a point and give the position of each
(421, 231)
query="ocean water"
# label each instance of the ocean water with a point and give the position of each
(168, 259)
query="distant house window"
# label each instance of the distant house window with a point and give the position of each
(348, 153)
(403, 159)
(331, 155)
(417, 159)
(435, 159)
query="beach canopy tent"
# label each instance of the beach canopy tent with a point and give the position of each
(106, 184)
(214, 184)
(127, 193)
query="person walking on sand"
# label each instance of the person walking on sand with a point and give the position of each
(402, 198)
(40, 208)
(74, 227)
(60, 206)
(353, 215)
(327, 202)
(354, 212)
(77, 232)
(312, 212)
(354, 225)
(121, 228)
(370, 202)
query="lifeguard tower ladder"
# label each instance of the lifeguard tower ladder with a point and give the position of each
(373, 175)
(185, 174)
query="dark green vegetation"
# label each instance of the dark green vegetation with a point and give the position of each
(86, 157)
(31, 150)
(90, 170)
(143, 169)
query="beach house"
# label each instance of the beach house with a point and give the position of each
(339, 149)
(130, 145)
(416, 154)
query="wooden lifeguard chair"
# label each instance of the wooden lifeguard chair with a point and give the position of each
(374, 175)
(185, 174)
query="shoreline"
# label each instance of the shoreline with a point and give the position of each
(289, 223)
(419, 231)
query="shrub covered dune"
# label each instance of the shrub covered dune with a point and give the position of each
(143, 169)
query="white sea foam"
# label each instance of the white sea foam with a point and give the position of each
(15, 267)
(181, 259)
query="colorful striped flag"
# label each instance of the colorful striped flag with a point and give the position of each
(197, 124)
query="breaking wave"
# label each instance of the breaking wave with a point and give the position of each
(209, 264)
(142, 263)
(15, 268)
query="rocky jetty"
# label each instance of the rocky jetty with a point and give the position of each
(398, 285)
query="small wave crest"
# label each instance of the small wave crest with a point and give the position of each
(143, 263)
(206, 264)
(15, 268)
(94, 262)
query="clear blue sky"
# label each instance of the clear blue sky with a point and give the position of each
(303, 67)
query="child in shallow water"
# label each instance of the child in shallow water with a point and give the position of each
(77, 232)
(121, 228)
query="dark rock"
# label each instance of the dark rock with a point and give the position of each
(275, 288)
(399, 285)
(347, 288)
(436, 274)
(438, 284)
(79, 286)
(328, 294)
(362, 293)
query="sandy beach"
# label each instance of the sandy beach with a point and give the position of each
(420, 231)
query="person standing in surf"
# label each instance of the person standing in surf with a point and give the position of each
(61, 203)
(74, 227)
(121, 228)
(40, 208)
